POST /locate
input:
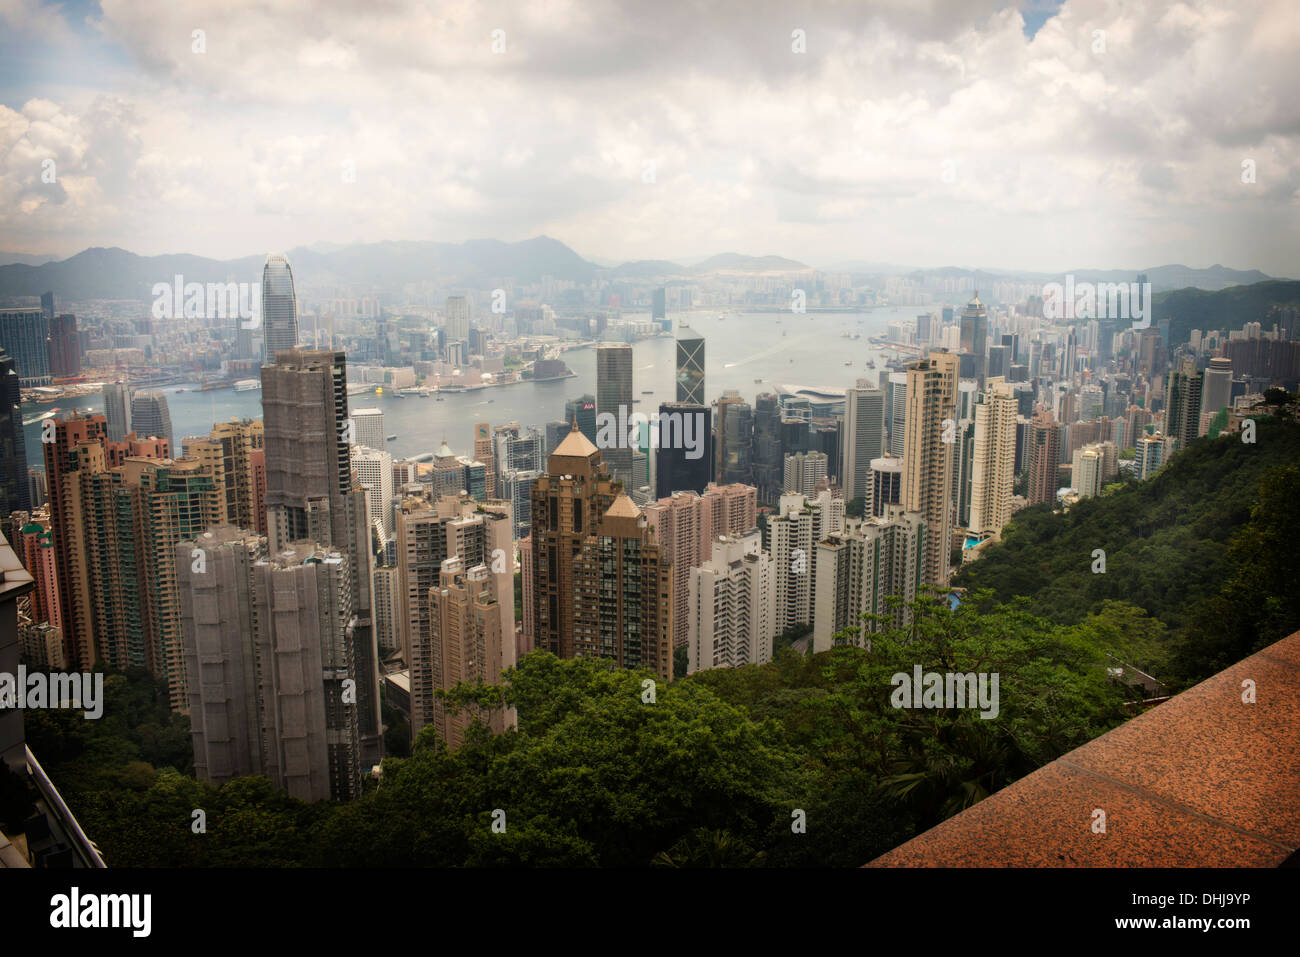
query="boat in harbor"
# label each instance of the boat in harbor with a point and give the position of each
(392, 438)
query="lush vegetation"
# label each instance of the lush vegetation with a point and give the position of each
(1190, 546)
(1230, 308)
(803, 761)
(712, 771)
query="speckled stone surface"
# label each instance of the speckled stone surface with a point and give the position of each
(1203, 780)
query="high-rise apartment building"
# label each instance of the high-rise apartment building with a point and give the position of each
(622, 599)
(310, 496)
(791, 539)
(804, 471)
(1087, 471)
(601, 586)
(685, 526)
(233, 453)
(866, 575)
(886, 485)
(993, 471)
(466, 644)
(279, 308)
(731, 602)
(219, 640)
(930, 437)
(1183, 403)
(428, 533)
(896, 397)
(1216, 388)
(1043, 457)
(485, 452)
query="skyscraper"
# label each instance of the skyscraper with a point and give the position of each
(1183, 395)
(368, 429)
(232, 452)
(732, 605)
(485, 453)
(622, 601)
(601, 583)
(690, 366)
(14, 487)
(279, 307)
(1216, 388)
(466, 644)
(993, 473)
(791, 538)
(457, 320)
(583, 409)
(928, 458)
(769, 465)
(804, 471)
(734, 440)
(25, 335)
(675, 468)
(150, 416)
(974, 334)
(117, 407)
(78, 443)
(219, 638)
(861, 569)
(310, 496)
(897, 398)
(429, 532)
(1043, 458)
(65, 347)
(886, 485)
(864, 438)
(614, 393)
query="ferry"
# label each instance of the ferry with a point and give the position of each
(647, 391)
(248, 385)
(392, 438)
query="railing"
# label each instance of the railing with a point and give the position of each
(83, 846)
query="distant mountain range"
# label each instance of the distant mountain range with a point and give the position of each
(114, 273)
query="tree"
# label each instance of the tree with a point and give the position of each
(855, 507)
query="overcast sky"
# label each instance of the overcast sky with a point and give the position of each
(924, 132)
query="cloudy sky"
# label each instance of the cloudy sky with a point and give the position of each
(1040, 136)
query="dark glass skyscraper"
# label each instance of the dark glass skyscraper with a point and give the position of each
(583, 408)
(14, 487)
(675, 470)
(614, 393)
(974, 334)
(25, 336)
(150, 416)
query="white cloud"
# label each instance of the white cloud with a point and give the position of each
(1064, 156)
